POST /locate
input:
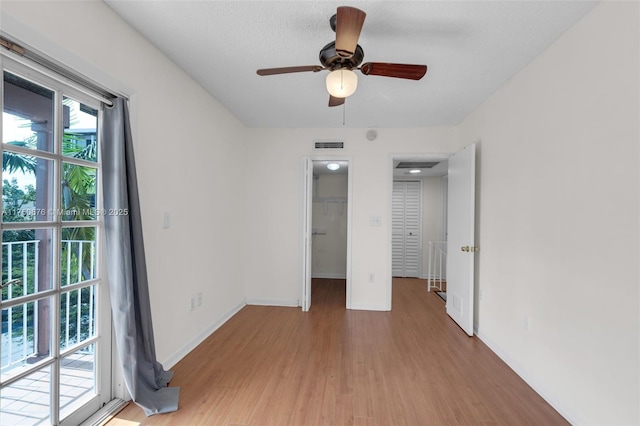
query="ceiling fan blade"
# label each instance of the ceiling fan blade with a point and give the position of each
(333, 101)
(411, 72)
(349, 21)
(286, 70)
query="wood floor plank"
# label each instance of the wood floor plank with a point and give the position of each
(413, 366)
(344, 410)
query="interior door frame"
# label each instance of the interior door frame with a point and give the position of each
(393, 157)
(307, 207)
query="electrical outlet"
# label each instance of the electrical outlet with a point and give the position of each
(372, 277)
(193, 303)
(199, 299)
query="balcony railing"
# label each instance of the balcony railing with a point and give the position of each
(20, 323)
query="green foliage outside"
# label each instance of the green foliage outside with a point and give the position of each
(78, 194)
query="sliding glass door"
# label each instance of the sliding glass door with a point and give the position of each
(55, 347)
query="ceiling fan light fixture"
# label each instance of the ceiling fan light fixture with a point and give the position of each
(342, 83)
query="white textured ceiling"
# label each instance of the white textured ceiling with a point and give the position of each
(471, 49)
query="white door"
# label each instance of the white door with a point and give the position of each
(307, 240)
(460, 239)
(412, 230)
(397, 229)
(55, 342)
(405, 229)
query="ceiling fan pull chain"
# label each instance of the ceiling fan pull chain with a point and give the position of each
(344, 107)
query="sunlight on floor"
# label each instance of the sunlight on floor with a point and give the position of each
(123, 422)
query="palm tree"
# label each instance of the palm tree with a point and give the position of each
(12, 162)
(78, 190)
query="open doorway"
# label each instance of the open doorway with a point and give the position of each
(460, 230)
(418, 220)
(327, 223)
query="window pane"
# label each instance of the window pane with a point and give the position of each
(27, 188)
(26, 338)
(78, 255)
(77, 316)
(27, 114)
(80, 133)
(26, 262)
(50, 180)
(77, 380)
(27, 401)
(79, 184)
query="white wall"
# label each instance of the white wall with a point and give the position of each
(329, 248)
(558, 219)
(274, 236)
(185, 145)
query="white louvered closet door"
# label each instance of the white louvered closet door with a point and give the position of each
(405, 212)
(397, 229)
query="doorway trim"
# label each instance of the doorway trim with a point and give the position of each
(393, 157)
(306, 232)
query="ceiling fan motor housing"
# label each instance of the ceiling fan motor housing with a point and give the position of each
(330, 59)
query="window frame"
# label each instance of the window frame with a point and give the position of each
(102, 331)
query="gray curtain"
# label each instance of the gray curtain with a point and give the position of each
(144, 377)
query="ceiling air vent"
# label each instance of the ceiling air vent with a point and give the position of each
(329, 145)
(416, 164)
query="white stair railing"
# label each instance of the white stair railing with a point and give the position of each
(437, 274)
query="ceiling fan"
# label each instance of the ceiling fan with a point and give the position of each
(344, 55)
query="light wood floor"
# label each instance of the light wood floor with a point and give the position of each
(330, 366)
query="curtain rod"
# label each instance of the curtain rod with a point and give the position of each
(33, 61)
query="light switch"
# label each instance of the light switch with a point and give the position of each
(375, 221)
(166, 220)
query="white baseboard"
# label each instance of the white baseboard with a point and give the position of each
(365, 307)
(569, 415)
(329, 276)
(272, 302)
(193, 343)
